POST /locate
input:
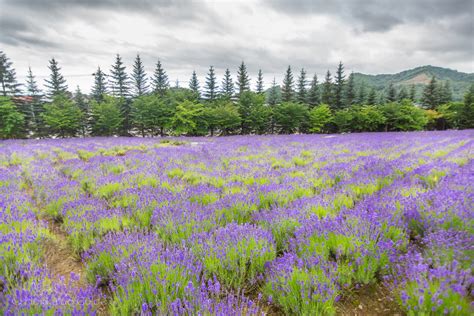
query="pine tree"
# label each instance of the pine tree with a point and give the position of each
(287, 91)
(227, 84)
(56, 84)
(273, 94)
(430, 98)
(194, 84)
(259, 87)
(243, 80)
(120, 88)
(314, 97)
(466, 113)
(402, 94)
(302, 94)
(350, 93)
(362, 94)
(160, 79)
(10, 87)
(327, 93)
(34, 105)
(339, 87)
(446, 93)
(140, 85)
(372, 97)
(82, 104)
(211, 85)
(119, 79)
(391, 93)
(412, 96)
(100, 85)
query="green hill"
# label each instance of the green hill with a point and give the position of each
(419, 76)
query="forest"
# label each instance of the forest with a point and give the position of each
(130, 103)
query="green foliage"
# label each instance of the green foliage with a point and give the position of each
(242, 262)
(62, 116)
(102, 266)
(291, 117)
(298, 292)
(106, 116)
(255, 115)
(403, 117)
(11, 120)
(432, 298)
(343, 120)
(282, 231)
(466, 114)
(346, 250)
(189, 119)
(450, 114)
(108, 190)
(366, 118)
(320, 116)
(151, 114)
(159, 287)
(224, 117)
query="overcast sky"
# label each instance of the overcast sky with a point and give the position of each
(369, 36)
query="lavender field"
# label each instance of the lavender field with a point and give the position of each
(244, 225)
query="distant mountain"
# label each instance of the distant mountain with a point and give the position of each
(419, 76)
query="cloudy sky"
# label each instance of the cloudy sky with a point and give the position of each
(370, 36)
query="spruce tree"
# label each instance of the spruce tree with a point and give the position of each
(402, 94)
(211, 85)
(287, 89)
(194, 84)
(327, 93)
(412, 96)
(350, 93)
(56, 83)
(391, 93)
(302, 94)
(227, 84)
(314, 97)
(10, 87)
(430, 98)
(259, 87)
(372, 97)
(273, 95)
(119, 79)
(243, 80)
(466, 113)
(160, 80)
(35, 106)
(339, 87)
(140, 84)
(446, 93)
(100, 85)
(120, 88)
(82, 104)
(361, 94)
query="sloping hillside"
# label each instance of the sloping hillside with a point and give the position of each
(420, 76)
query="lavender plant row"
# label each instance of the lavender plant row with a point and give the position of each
(238, 225)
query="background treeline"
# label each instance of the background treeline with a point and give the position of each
(123, 103)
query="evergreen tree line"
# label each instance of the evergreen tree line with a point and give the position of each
(136, 104)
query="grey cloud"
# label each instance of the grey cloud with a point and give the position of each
(375, 15)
